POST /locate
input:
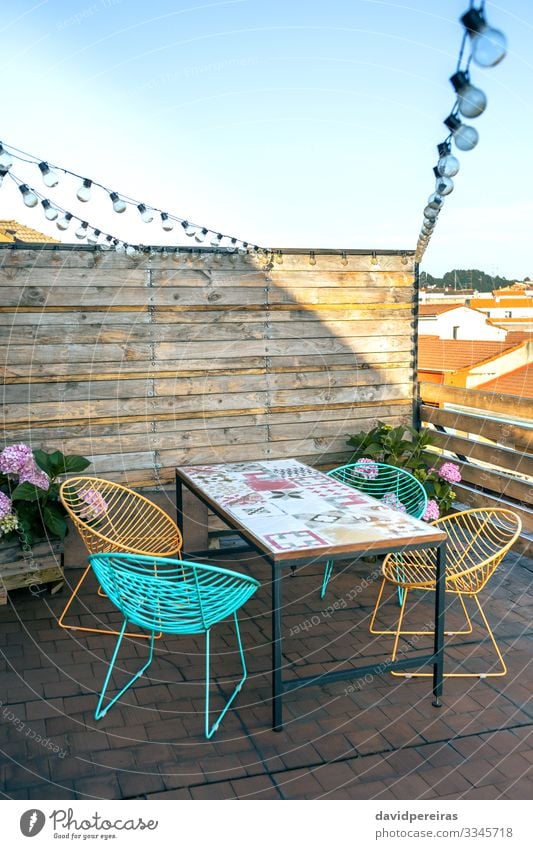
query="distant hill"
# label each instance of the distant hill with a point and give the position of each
(461, 278)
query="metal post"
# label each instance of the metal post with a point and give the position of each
(277, 684)
(179, 504)
(440, 595)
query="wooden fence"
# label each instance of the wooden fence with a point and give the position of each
(488, 435)
(145, 364)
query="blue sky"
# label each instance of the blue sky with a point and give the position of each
(290, 124)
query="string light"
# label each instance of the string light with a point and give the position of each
(28, 195)
(84, 192)
(50, 211)
(120, 202)
(312, 258)
(487, 47)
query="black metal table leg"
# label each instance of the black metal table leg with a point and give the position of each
(440, 592)
(179, 504)
(277, 685)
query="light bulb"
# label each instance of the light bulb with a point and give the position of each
(84, 192)
(373, 259)
(28, 195)
(146, 214)
(131, 251)
(443, 185)
(431, 213)
(50, 211)
(106, 245)
(435, 200)
(216, 240)
(118, 204)
(3, 173)
(176, 255)
(312, 258)
(279, 257)
(242, 250)
(63, 223)
(189, 229)
(464, 136)
(471, 101)
(448, 165)
(232, 247)
(92, 238)
(50, 176)
(6, 160)
(120, 247)
(344, 259)
(200, 235)
(166, 223)
(81, 232)
(489, 45)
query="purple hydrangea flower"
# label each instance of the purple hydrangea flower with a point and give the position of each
(32, 474)
(366, 468)
(450, 472)
(5, 505)
(14, 458)
(432, 511)
(392, 500)
(96, 504)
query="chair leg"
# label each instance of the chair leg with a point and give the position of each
(61, 622)
(501, 673)
(373, 630)
(328, 569)
(100, 712)
(210, 731)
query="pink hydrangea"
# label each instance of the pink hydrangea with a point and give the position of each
(450, 472)
(5, 505)
(33, 474)
(432, 511)
(96, 504)
(14, 458)
(366, 468)
(392, 500)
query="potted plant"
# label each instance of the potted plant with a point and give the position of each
(405, 447)
(32, 519)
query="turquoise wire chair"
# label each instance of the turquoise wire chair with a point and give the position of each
(172, 597)
(384, 482)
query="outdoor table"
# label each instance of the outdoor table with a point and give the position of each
(293, 514)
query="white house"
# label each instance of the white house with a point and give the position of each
(449, 321)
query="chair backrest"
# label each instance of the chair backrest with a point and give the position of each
(389, 483)
(477, 542)
(173, 596)
(111, 517)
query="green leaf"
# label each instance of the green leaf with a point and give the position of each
(75, 463)
(54, 519)
(27, 492)
(42, 458)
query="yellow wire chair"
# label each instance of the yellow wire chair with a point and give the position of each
(113, 518)
(478, 540)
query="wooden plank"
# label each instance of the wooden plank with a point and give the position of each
(283, 347)
(509, 435)
(73, 296)
(13, 354)
(505, 458)
(508, 487)
(490, 402)
(297, 278)
(477, 498)
(58, 275)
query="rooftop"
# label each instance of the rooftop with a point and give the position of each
(13, 231)
(380, 740)
(518, 382)
(452, 354)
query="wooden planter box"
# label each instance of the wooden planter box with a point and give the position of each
(43, 564)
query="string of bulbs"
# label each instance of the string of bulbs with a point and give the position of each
(488, 47)
(88, 233)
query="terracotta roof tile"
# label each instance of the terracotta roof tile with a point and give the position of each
(517, 382)
(436, 309)
(12, 231)
(452, 354)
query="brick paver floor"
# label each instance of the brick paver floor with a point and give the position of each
(370, 739)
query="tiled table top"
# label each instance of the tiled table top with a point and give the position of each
(288, 507)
